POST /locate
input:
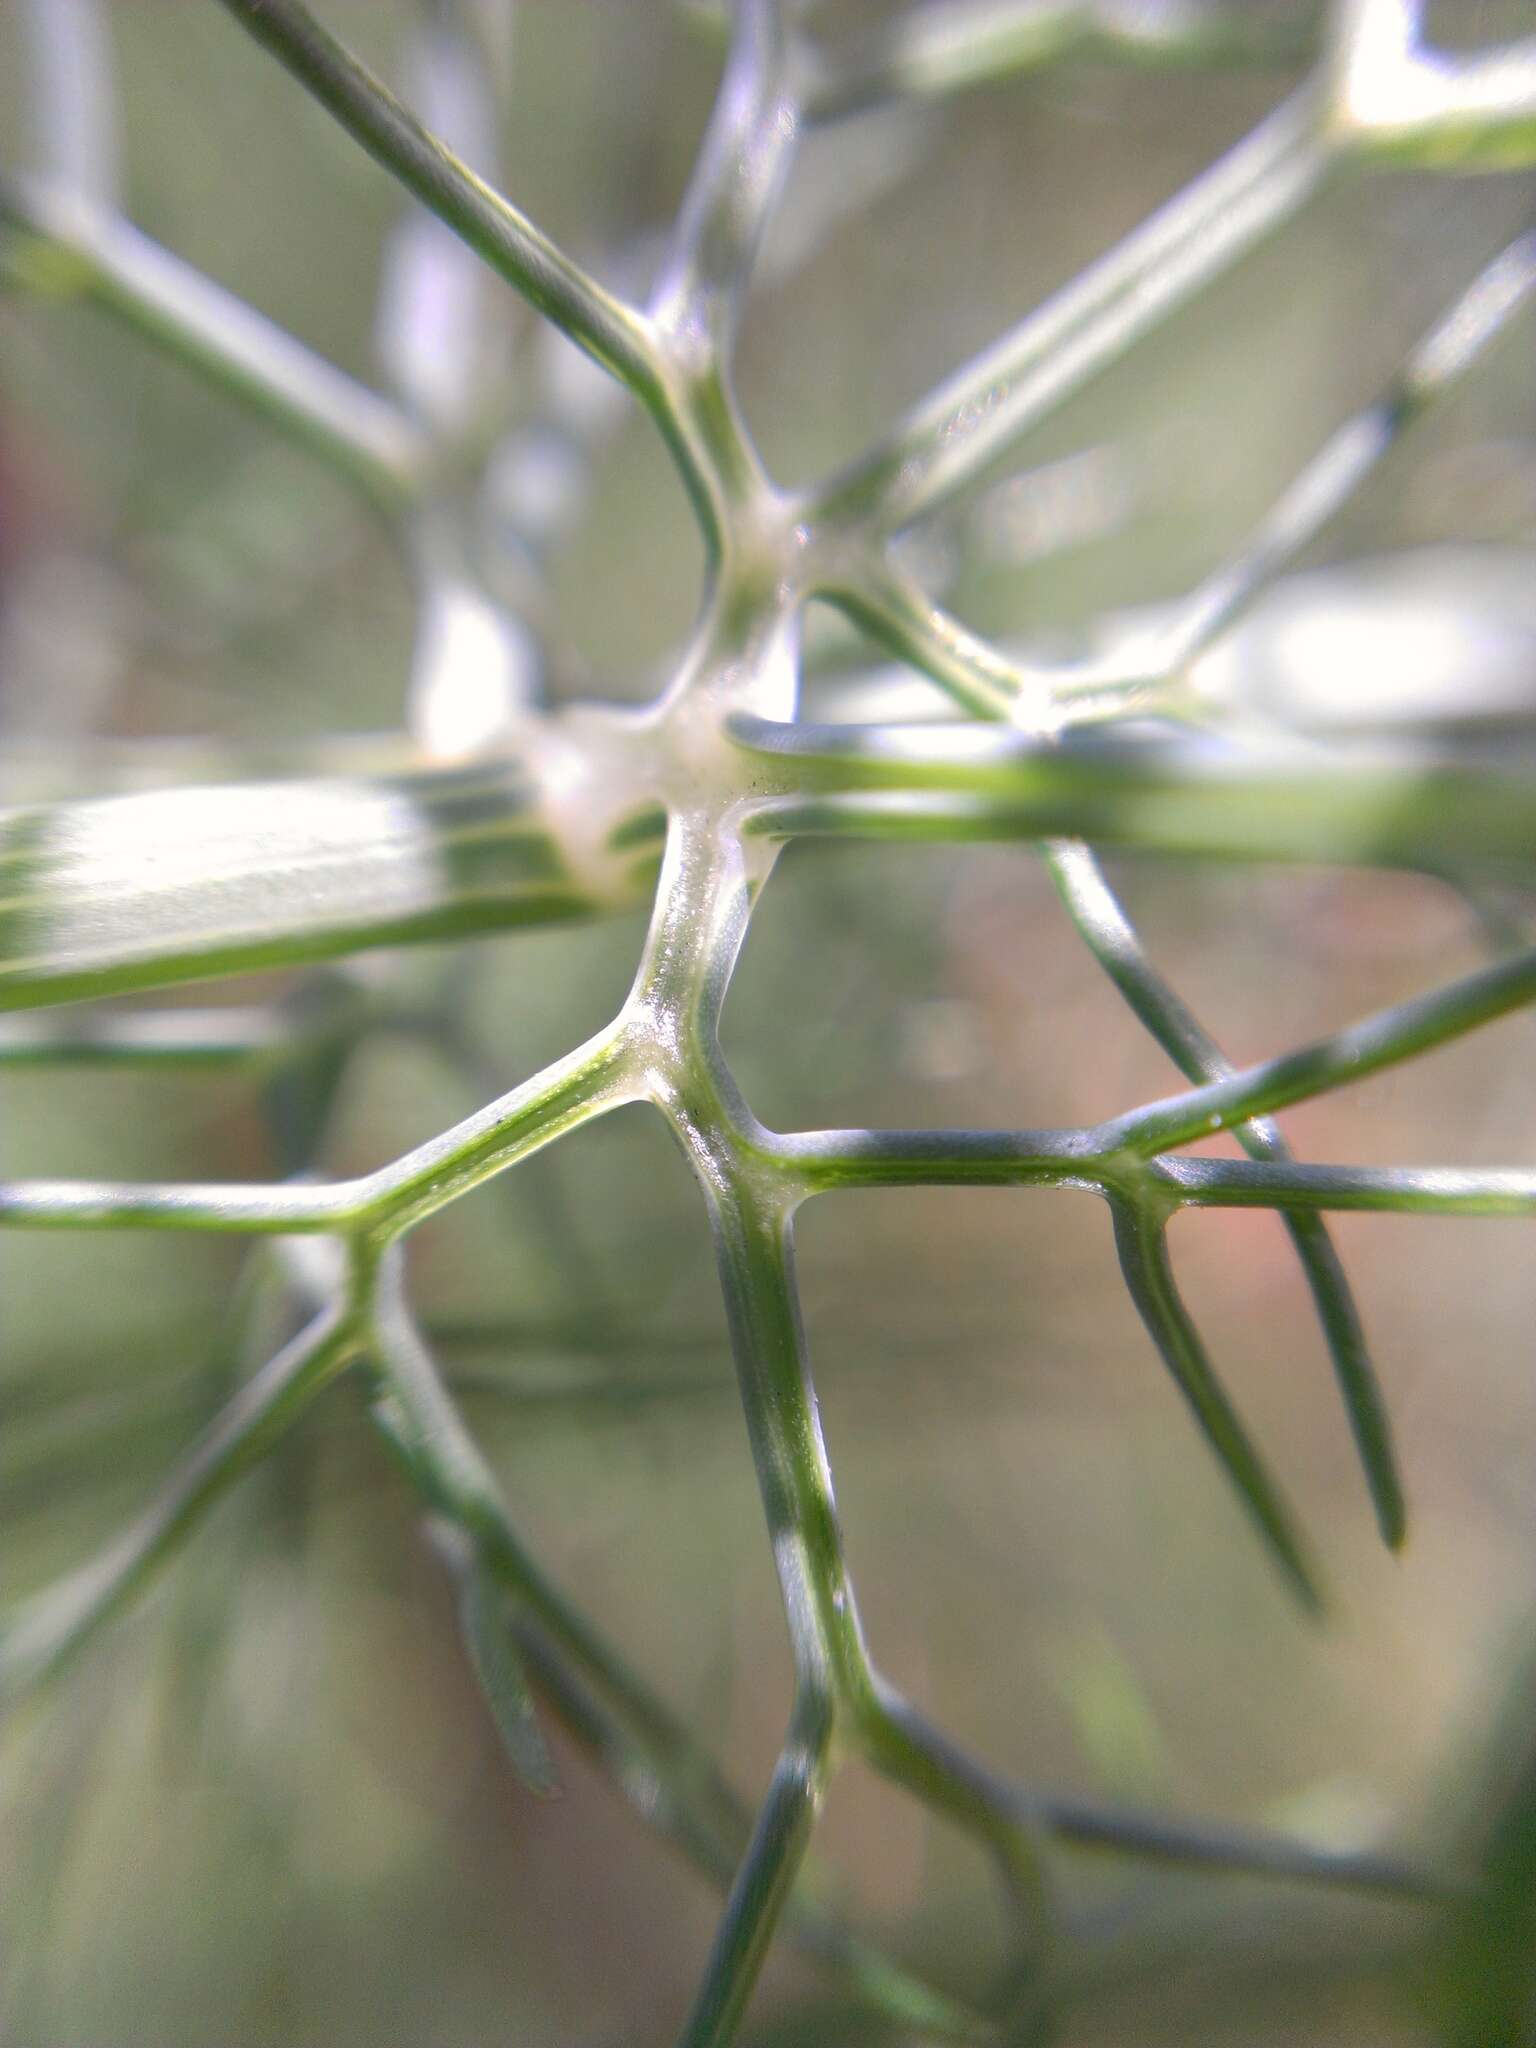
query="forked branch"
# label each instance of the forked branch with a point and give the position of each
(1104, 927)
(111, 896)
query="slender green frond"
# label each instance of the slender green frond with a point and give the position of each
(62, 247)
(1149, 1280)
(45, 1633)
(976, 416)
(508, 241)
(1107, 931)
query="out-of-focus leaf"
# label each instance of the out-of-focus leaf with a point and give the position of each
(139, 891)
(488, 1638)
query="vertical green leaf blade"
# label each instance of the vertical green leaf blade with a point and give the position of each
(1149, 1279)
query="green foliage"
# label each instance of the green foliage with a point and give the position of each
(563, 811)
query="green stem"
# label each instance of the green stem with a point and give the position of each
(649, 1754)
(1393, 1190)
(823, 1162)
(742, 164)
(1142, 1246)
(41, 1636)
(754, 1254)
(614, 334)
(767, 1873)
(68, 247)
(713, 1836)
(933, 51)
(949, 1779)
(1172, 793)
(587, 1083)
(891, 608)
(1377, 1042)
(976, 416)
(1455, 345)
(1104, 927)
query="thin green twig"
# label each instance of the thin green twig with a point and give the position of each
(933, 51)
(614, 334)
(42, 1635)
(63, 247)
(1103, 925)
(976, 416)
(1165, 788)
(1383, 1040)
(743, 161)
(1148, 1272)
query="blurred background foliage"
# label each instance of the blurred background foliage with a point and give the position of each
(270, 1808)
